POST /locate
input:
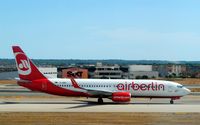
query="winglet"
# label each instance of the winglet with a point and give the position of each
(75, 84)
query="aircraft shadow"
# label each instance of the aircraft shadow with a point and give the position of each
(1, 103)
(134, 103)
(88, 103)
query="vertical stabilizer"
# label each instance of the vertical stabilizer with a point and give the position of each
(26, 69)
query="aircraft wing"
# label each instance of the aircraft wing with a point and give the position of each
(92, 91)
(98, 92)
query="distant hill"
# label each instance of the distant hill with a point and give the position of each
(66, 62)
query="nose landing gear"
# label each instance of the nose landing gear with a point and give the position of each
(174, 98)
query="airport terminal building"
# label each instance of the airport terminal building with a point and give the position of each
(142, 71)
(107, 71)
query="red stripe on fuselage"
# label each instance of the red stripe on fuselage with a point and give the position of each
(44, 85)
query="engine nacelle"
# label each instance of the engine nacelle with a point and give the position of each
(121, 97)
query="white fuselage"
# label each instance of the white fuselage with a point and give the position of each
(137, 88)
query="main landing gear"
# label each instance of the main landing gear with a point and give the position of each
(100, 100)
(171, 101)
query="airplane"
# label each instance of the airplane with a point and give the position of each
(118, 90)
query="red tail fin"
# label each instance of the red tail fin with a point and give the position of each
(26, 69)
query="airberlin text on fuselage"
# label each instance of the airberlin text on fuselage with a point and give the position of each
(143, 87)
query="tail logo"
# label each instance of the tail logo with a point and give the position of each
(23, 64)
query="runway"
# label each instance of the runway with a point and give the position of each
(18, 99)
(186, 104)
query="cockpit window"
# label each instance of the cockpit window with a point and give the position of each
(179, 86)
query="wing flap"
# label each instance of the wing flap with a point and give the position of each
(91, 91)
(98, 92)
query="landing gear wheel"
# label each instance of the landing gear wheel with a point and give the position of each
(171, 101)
(100, 100)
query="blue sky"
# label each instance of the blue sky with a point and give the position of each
(101, 29)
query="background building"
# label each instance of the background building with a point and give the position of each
(50, 72)
(75, 73)
(142, 72)
(171, 70)
(177, 70)
(107, 71)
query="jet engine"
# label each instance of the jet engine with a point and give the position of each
(121, 97)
